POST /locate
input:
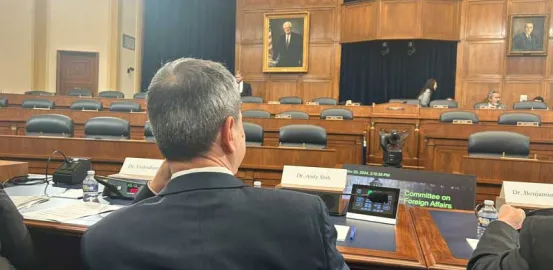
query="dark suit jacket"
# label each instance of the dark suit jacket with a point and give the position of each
(213, 221)
(246, 90)
(521, 43)
(502, 247)
(291, 56)
(15, 241)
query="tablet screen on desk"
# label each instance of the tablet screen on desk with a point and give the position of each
(374, 201)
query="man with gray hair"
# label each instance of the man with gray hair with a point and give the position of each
(288, 51)
(195, 214)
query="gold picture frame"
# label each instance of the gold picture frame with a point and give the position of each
(528, 35)
(282, 51)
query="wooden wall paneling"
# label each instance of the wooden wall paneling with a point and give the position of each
(359, 21)
(486, 19)
(318, 3)
(513, 90)
(440, 19)
(315, 89)
(283, 88)
(337, 63)
(321, 58)
(251, 62)
(549, 65)
(252, 26)
(525, 67)
(259, 88)
(399, 19)
(255, 4)
(323, 25)
(549, 96)
(411, 145)
(484, 59)
(528, 7)
(477, 91)
(288, 4)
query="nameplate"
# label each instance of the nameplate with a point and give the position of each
(339, 118)
(311, 103)
(395, 108)
(44, 109)
(140, 166)
(283, 116)
(314, 177)
(440, 106)
(462, 122)
(274, 102)
(536, 195)
(487, 108)
(353, 104)
(528, 124)
(85, 110)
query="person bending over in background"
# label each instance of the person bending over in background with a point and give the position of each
(427, 91)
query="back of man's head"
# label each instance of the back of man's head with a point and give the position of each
(188, 102)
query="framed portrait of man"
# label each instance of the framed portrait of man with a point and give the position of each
(528, 34)
(286, 42)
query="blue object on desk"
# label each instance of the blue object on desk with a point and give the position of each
(352, 233)
(455, 229)
(368, 235)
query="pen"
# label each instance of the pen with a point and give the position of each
(352, 233)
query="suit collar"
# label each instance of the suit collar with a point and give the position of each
(201, 181)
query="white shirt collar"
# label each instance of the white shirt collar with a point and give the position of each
(200, 170)
(241, 86)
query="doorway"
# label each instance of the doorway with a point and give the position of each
(77, 70)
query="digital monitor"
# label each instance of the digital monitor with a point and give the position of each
(371, 203)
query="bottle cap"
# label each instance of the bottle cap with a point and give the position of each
(488, 202)
(257, 183)
(90, 172)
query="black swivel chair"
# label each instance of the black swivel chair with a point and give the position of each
(148, 133)
(3, 102)
(38, 103)
(124, 106)
(345, 114)
(530, 105)
(325, 101)
(141, 95)
(108, 128)
(79, 92)
(451, 104)
(50, 125)
(111, 94)
(39, 93)
(449, 117)
(252, 99)
(256, 114)
(86, 105)
(497, 143)
(515, 118)
(290, 100)
(308, 136)
(254, 134)
(296, 114)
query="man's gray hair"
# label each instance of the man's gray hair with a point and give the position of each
(188, 102)
(287, 23)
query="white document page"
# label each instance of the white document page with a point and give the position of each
(68, 212)
(27, 201)
(342, 232)
(473, 243)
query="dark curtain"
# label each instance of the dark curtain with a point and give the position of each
(187, 28)
(367, 76)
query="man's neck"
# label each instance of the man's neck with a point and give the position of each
(200, 162)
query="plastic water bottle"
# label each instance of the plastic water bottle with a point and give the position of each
(486, 215)
(90, 188)
(257, 184)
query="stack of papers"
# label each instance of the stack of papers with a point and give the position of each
(342, 232)
(27, 201)
(65, 213)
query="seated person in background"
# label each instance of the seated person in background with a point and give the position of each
(201, 216)
(244, 88)
(503, 247)
(16, 247)
(494, 101)
(539, 99)
(426, 92)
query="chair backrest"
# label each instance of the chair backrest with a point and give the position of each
(79, 92)
(530, 105)
(449, 117)
(256, 114)
(296, 114)
(109, 128)
(38, 103)
(406, 101)
(252, 99)
(51, 125)
(444, 102)
(254, 134)
(3, 102)
(345, 114)
(141, 95)
(124, 106)
(308, 136)
(87, 104)
(290, 100)
(515, 118)
(325, 101)
(495, 143)
(39, 93)
(111, 94)
(148, 133)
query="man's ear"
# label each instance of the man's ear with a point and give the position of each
(228, 137)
